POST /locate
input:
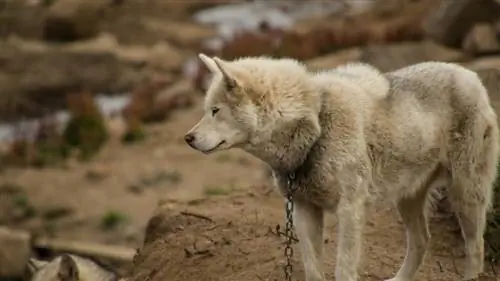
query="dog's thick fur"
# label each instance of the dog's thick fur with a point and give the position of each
(353, 135)
(69, 268)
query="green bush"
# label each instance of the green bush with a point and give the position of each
(87, 133)
(86, 130)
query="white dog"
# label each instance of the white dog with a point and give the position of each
(353, 135)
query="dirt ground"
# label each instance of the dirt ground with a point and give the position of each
(111, 199)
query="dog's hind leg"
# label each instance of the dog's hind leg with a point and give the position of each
(413, 214)
(474, 168)
(308, 220)
(469, 198)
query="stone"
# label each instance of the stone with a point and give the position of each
(35, 78)
(481, 39)
(15, 251)
(451, 22)
(71, 20)
(334, 59)
(394, 56)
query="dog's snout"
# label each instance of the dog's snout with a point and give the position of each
(189, 138)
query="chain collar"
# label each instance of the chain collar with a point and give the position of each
(289, 226)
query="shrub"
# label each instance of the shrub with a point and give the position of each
(86, 129)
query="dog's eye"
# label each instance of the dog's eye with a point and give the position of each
(214, 111)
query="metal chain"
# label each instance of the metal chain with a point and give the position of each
(289, 228)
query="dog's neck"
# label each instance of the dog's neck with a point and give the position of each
(286, 148)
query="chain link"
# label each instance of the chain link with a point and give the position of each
(289, 228)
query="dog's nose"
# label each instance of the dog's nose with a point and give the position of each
(189, 138)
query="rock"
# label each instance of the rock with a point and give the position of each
(488, 69)
(98, 172)
(143, 99)
(486, 62)
(453, 19)
(164, 56)
(116, 126)
(392, 57)
(334, 59)
(183, 34)
(15, 251)
(34, 79)
(179, 95)
(491, 80)
(481, 39)
(71, 20)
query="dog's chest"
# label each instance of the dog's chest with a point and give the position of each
(307, 188)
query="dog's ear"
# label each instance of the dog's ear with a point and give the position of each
(229, 74)
(209, 63)
(68, 270)
(35, 265)
(232, 76)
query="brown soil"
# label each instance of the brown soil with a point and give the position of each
(241, 242)
(230, 188)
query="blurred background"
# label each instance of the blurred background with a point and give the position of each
(96, 95)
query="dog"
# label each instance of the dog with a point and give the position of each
(68, 267)
(353, 135)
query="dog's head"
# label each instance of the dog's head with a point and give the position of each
(68, 268)
(229, 117)
(246, 100)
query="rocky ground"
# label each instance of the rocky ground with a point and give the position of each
(110, 199)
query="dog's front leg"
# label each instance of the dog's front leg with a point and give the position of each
(308, 220)
(351, 216)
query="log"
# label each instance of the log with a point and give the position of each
(115, 253)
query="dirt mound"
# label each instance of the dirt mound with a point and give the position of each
(236, 238)
(239, 243)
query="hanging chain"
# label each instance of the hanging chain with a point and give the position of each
(289, 227)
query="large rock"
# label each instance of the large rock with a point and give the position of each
(486, 62)
(392, 57)
(481, 39)
(15, 251)
(34, 78)
(488, 70)
(452, 21)
(334, 59)
(70, 20)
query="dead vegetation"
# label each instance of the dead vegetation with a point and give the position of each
(492, 235)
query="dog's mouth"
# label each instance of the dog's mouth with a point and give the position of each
(214, 148)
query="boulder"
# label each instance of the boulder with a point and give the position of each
(71, 20)
(485, 62)
(15, 251)
(34, 78)
(451, 22)
(481, 39)
(394, 56)
(334, 59)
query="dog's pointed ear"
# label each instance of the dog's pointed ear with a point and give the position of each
(209, 63)
(68, 271)
(35, 265)
(227, 73)
(233, 76)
